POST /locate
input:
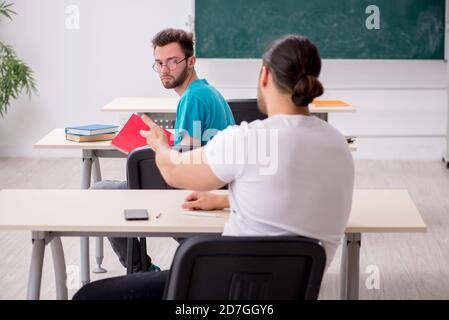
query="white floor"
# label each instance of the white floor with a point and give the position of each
(411, 266)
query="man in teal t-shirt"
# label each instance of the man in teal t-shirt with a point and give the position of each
(202, 110)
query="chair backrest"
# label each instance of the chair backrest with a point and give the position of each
(142, 171)
(246, 268)
(245, 110)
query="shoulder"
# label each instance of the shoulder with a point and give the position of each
(236, 130)
(204, 93)
(190, 99)
(229, 135)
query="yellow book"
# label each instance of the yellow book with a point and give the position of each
(329, 103)
(97, 137)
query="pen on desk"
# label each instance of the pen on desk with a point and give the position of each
(158, 215)
(201, 214)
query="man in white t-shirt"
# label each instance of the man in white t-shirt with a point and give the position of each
(290, 174)
(304, 186)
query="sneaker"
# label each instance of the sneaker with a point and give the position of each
(154, 268)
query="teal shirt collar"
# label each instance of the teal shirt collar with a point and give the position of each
(195, 83)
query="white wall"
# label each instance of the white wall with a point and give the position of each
(402, 105)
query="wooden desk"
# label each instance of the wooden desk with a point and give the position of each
(169, 105)
(51, 214)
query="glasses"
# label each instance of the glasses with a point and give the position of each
(171, 64)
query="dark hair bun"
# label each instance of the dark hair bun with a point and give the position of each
(306, 89)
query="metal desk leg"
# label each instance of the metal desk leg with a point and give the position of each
(344, 269)
(99, 243)
(57, 253)
(96, 169)
(87, 169)
(37, 260)
(84, 241)
(84, 251)
(349, 286)
(98, 240)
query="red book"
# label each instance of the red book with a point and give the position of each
(129, 137)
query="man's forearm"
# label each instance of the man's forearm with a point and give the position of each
(186, 170)
(165, 163)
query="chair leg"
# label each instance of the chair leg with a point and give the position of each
(143, 254)
(129, 256)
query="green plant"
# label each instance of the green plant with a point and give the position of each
(15, 75)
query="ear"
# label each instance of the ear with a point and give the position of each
(263, 79)
(191, 62)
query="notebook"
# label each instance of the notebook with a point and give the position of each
(91, 129)
(129, 137)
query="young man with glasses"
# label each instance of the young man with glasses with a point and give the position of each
(202, 111)
(201, 107)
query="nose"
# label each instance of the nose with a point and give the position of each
(166, 68)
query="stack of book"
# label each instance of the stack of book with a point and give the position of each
(89, 133)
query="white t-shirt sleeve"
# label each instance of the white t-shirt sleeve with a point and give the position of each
(226, 153)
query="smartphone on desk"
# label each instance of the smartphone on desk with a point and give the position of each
(136, 214)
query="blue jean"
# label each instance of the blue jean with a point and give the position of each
(137, 286)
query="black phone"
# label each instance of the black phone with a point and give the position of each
(136, 214)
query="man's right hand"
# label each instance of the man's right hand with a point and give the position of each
(205, 201)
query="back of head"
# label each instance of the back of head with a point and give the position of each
(295, 64)
(179, 36)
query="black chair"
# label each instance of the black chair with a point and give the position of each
(246, 268)
(231, 268)
(142, 173)
(245, 110)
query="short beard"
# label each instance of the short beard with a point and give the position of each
(178, 81)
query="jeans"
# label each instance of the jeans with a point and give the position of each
(119, 245)
(137, 286)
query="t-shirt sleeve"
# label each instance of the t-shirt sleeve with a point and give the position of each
(190, 115)
(226, 153)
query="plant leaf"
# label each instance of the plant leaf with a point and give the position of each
(15, 77)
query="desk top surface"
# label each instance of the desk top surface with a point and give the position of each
(102, 211)
(55, 139)
(169, 105)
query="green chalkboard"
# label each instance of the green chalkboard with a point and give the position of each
(402, 29)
